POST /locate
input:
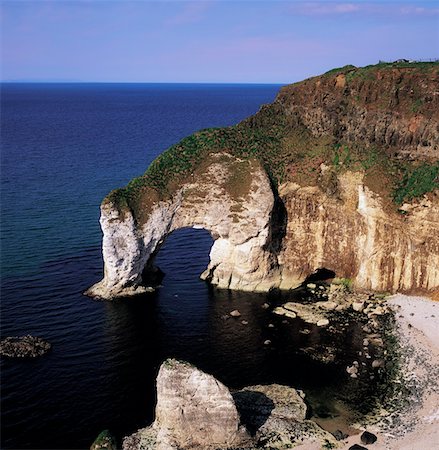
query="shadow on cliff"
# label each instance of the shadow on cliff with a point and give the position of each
(254, 409)
(278, 225)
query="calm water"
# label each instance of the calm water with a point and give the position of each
(64, 147)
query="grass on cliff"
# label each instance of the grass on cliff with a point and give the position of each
(287, 151)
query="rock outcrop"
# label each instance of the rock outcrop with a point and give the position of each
(231, 198)
(340, 172)
(24, 346)
(354, 235)
(196, 412)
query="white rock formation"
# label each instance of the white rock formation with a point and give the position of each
(359, 238)
(352, 233)
(239, 223)
(194, 411)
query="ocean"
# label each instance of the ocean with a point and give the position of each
(64, 147)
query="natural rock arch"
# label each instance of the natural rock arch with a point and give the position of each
(231, 198)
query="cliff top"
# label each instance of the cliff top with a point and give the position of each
(381, 120)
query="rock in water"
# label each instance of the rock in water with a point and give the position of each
(24, 347)
(368, 438)
(194, 410)
(105, 441)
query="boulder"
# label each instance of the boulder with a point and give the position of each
(105, 441)
(194, 411)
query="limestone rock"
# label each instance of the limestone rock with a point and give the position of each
(275, 414)
(310, 313)
(194, 411)
(240, 257)
(266, 238)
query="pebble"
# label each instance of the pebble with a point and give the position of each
(265, 306)
(270, 325)
(358, 306)
(322, 323)
(368, 438)
(235, 313)
(377, 363)
(267, 342)
(244, 322)
(311, 285)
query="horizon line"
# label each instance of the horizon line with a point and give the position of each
(138, 82)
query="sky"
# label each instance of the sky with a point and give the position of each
(208, 41)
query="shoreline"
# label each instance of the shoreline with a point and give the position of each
(415, 426)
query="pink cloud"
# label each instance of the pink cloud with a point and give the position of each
(191, 13)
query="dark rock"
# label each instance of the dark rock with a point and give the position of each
(24, 347)
(339, 435)
(357, 447)
(105, 441)
(368, 438)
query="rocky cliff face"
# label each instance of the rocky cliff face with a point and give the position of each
(354, 235)
(396, 108)
(309, 182)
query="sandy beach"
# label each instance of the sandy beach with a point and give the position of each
(417, 426)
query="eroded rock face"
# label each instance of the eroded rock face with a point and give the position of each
(239, 222)
(397, 108)
(354, 235)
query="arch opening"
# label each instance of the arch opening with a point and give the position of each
(185, 252)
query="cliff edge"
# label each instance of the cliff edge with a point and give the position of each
(339, 172)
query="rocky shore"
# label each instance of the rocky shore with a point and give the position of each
(195, 411)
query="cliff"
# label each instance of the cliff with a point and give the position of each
(339, 172)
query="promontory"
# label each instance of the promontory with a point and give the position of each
(340, 173)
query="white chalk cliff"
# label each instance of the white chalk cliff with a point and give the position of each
(240, 225)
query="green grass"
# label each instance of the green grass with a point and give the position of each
(417, 182)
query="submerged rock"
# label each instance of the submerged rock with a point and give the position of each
(24, 347)
(105, 441)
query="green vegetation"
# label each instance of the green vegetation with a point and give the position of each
(417, 182)
(286, 149)
(339, 70)
(416, 105)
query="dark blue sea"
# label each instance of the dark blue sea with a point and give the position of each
(63, 148)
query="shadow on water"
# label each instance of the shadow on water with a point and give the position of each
(106, 355)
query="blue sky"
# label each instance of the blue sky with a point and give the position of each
(208, 41)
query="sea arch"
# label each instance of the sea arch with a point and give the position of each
(231, 198)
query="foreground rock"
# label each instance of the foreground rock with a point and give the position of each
(195, 411)
(275, 415)
(24, 347)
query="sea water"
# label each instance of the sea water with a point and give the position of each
(64, 147)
